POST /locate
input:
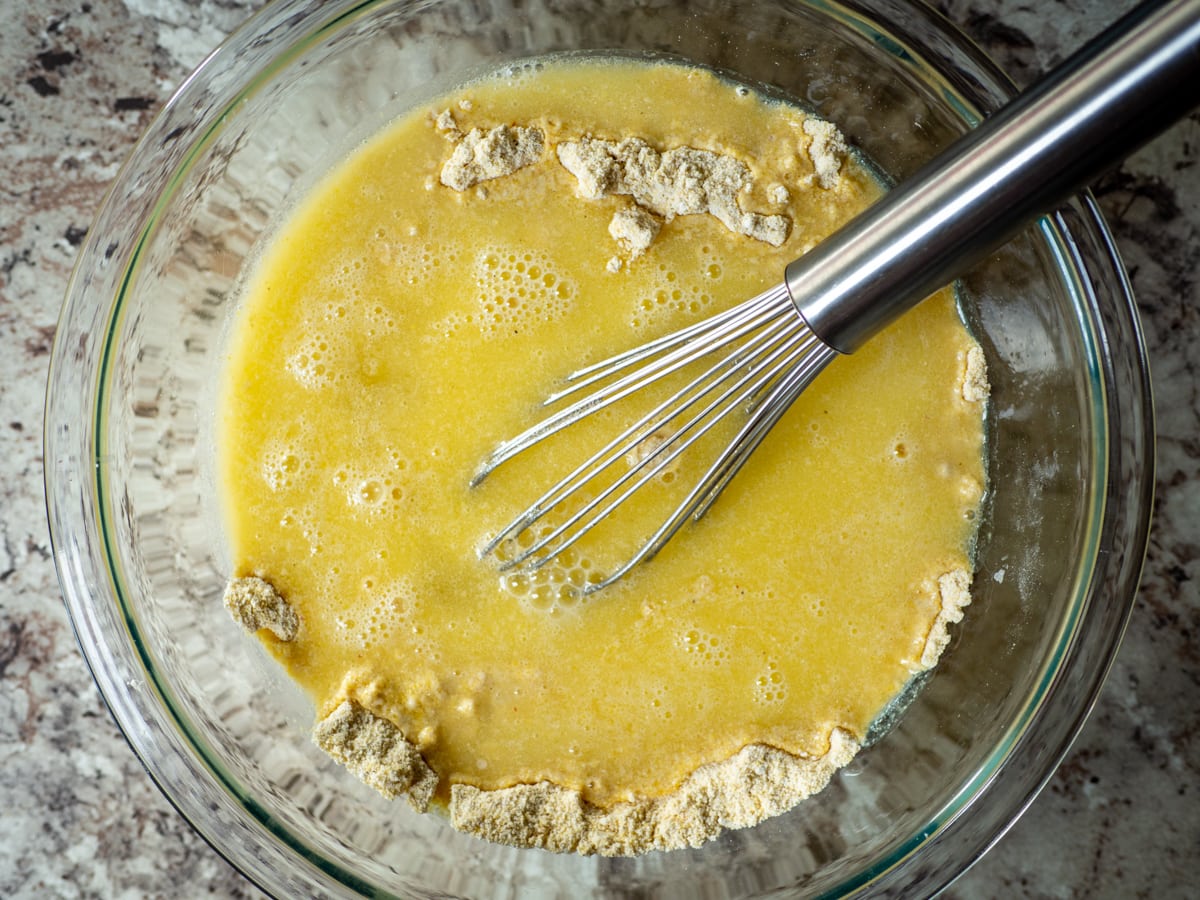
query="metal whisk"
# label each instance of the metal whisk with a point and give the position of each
(1129, 84)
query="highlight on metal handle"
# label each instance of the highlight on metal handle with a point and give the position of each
(1132, 82)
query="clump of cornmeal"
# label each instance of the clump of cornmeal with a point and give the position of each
(417, 308)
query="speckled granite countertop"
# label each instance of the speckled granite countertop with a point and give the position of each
(78, 80)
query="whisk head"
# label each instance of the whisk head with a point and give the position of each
(754, 359)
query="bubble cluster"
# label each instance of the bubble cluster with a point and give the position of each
(342, 284)
(448, 326)
(379, 320)
(657, 698)
(379, 614)
(553, 588)
(388, 609)
(312, 363)
(702, 648)
(300, 521)
(416, 262)
(770, 687)
(284, 465)
(382, 487)
(517, 289)
(674, 296)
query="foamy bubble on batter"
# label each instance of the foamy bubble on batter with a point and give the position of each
(381, 612)
(380, 321)
(672, 296)
(284, 465)
(389, 610)
(449, 326)
(657, 699)
(335, 312)
(553, 588)
(299, 520)
(770, 687)
(702, 648)
(348, 275)
(517, 288)
(313, 363)
(414, 262)
(381, 487)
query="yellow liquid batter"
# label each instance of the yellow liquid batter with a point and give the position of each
(396, 330)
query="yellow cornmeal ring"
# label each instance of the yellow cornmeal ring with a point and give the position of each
(397, 329)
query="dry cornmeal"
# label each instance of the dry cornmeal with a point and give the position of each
(418, 306)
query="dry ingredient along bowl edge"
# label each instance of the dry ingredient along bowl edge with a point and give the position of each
(81, 495)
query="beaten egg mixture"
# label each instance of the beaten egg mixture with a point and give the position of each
(404, 319)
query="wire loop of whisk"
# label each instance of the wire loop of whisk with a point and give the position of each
(763, 355)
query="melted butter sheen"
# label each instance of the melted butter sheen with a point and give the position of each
(396, 330)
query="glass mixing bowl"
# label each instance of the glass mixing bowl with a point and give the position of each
(137, 531)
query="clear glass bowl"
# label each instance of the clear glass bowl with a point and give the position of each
(137, 532)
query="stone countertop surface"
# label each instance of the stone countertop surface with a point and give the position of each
(78, 82)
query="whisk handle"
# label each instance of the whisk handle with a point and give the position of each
(1122, 89)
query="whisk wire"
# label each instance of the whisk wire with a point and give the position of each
(780, 398)
(777, 355)
(764, 416)
(705, 336)
(624, 442)
(767, 356)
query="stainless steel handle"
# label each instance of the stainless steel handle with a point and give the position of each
(1125, 87)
